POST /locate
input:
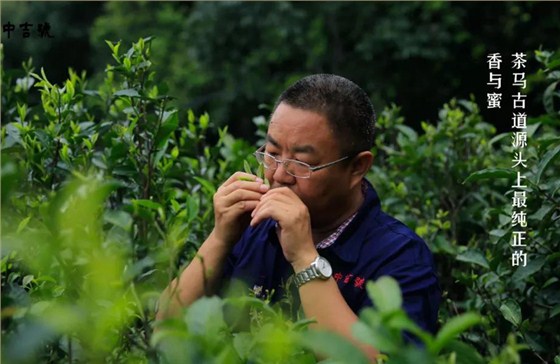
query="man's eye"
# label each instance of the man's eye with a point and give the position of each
(301, 161)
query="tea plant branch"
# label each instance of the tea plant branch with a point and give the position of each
(171, 270)
(146, 189)
(151, 151)
(487, 298)
(59, 106)
(143, 77)
(524, 335)
(544, 247)
(141, 142)
(159, 228)
(452, 197)
(536, 354)
(71, 278)
(54, 162)
(58, 143)
(543, 193)
(143, 319)
(137, 299)
(454, 306)
(137, 114)
(134, 341)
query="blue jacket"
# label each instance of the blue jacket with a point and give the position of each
(374, 244)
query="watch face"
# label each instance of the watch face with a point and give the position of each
(324, 267)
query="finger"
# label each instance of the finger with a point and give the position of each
(261, 213)
(266, 198)
(243, 185)
(246, 205)
(283, 195)
(241, 176)
(240, 195)
(273, 209)
(270, 197)
(282, 191)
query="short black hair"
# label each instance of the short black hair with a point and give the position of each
(344, 104)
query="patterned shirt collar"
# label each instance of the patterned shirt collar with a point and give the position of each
(329, 240)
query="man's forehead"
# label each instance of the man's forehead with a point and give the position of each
(300, 130)
(295, 148)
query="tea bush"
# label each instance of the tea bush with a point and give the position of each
(107, 193)
(453, 185)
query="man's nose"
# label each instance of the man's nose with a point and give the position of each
(281, 176)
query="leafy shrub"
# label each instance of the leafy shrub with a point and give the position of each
(453, 185)
(140, 174)
(106, 195)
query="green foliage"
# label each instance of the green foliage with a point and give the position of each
(452, 184)
(229, 57)
(204, 334)
(106, 194)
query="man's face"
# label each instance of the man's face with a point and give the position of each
(307, 136)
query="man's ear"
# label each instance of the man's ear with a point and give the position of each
(360, 166)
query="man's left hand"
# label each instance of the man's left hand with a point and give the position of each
(294, 225)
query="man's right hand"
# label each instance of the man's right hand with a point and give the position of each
(233, 202)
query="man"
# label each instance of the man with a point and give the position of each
(319, 222)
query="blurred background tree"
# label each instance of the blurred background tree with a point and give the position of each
(232, 57)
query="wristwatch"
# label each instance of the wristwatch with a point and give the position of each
(319, 268)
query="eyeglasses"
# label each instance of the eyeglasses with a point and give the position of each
(291, 166)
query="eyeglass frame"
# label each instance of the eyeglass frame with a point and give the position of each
(278, 161)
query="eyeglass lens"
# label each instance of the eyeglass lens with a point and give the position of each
(292, 167)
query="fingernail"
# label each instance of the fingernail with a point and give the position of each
(263, 188)
(258, 179)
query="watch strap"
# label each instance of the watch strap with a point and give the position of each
(305, 276)
(312, 272)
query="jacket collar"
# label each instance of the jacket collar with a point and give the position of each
(347, 246)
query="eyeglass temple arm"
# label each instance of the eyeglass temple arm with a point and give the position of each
(327, 165)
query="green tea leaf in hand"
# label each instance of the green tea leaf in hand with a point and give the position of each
(247, 167)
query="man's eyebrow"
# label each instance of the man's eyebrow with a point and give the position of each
(306, 148)
(303, 149)
(272, 141)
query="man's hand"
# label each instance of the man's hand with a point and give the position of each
(233, 201)
(294, 225)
